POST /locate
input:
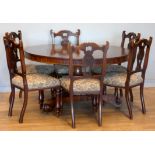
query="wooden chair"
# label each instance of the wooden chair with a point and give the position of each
(119, 68)
(87, 83)
(64, 36)
(21, 80)
(135, 75)
(126, 39)
(30, 68)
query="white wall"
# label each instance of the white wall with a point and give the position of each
(34, 34)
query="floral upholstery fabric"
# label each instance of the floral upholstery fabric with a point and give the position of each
(81, 85)
(40, 69)
(36, 81)
(62, 69)
(110, 68)
(119, 79)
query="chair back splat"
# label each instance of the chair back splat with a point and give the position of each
(88, 62)
(65, 36)
(15, 54)
(60, 41)
(129, 36)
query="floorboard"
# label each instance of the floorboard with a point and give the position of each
(114, 119)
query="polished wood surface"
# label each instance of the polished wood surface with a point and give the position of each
(113, 118)
(44, 53)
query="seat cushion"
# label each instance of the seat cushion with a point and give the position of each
(62, 69)
(36, 81)
(41, 69)
(110, 68)
(81, 85)
(119, 79)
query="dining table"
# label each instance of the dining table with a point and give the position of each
(47, 54)
(54, 54)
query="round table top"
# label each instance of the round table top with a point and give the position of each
(44, 53)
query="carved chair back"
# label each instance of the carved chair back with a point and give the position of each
(88, 62)
(65, 37)
(138, 57)
(129, 36)
(15, 54)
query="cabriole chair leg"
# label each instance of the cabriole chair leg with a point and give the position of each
(24, 107)
(100, 112)
(11, 100)
(131, 95)
(128, 103)
(20, 93)
(142, 98)
(72, 112)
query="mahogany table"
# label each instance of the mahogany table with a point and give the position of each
(45, 54)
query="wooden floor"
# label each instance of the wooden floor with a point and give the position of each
(113, 118)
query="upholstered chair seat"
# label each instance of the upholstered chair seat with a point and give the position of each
(81, 85)
(36, 81)
(40, 69)
(110, 68)
(115, 79)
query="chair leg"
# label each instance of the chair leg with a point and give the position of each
(20, 94)
(104, 90)
(53, 95)
(61, 105)
(94, 103)
(24, 106)
(72, 111)
(142, 98)
(116, 91)
(128, 103)
(58, 102)
(116, 95)
(11, 100)
(121, 93)
(41, 98)
(131, 95)
(100, 112)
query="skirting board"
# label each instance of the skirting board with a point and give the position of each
(148, 83)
